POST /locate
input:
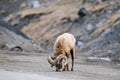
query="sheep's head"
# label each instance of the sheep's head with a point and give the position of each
(57, 62)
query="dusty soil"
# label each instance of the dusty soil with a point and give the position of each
(97, 37)
(12, 63)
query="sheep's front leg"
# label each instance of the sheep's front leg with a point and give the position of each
(66, 68)
(58, 70)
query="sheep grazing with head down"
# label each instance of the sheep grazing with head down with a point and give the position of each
(64, 46)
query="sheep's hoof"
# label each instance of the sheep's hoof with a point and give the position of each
(58, 70)
(67, 69)
(63, 70)
(72, 69)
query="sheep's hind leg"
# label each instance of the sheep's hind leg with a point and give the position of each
(72, 56)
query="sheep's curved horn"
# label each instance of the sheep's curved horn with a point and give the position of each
(60, 57)
(54, 62)
(51, 61)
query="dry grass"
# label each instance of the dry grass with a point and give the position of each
(50, 24)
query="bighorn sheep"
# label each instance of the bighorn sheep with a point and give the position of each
(63, 47)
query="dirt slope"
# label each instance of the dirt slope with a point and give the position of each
(44, 24)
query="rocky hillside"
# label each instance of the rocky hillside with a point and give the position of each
(97, 32)
(11, 38)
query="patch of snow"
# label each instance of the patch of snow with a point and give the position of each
(36, 4)
(100, 58)
(89, 27)
(79, 43)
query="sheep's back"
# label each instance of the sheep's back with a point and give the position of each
(64, 43)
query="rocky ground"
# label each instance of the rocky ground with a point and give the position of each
(30, 32)
(22, 66)
(9, 39)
